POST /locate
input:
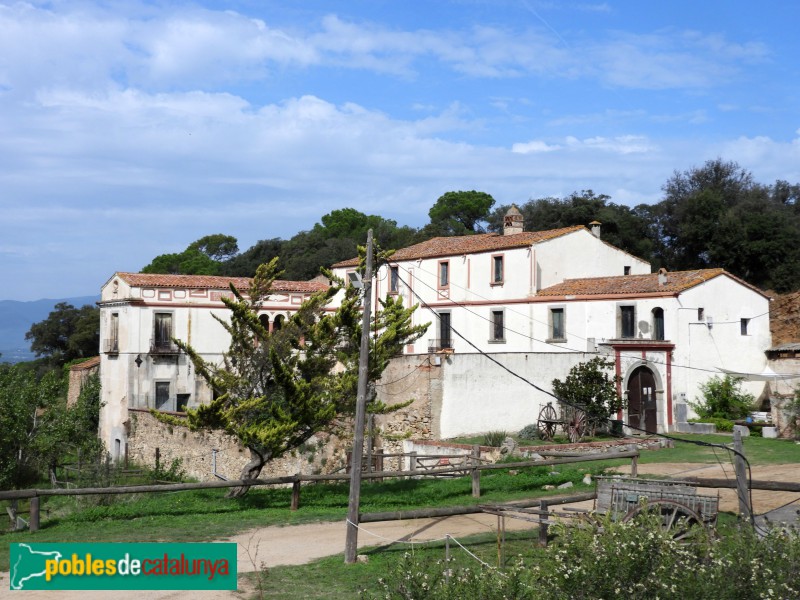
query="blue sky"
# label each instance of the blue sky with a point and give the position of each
(130, 129)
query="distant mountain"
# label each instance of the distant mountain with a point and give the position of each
(16, 319)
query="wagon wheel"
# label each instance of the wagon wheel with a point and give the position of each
(680, 520)
(576, 426)
(547, 422)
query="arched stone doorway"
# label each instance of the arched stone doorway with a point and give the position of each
(642, 404)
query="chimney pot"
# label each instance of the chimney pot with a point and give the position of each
(595, 225)
(513, 221)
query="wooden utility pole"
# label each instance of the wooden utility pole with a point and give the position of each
(351, 543)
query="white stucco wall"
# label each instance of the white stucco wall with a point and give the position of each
(471, 295)
(480, 396)
(128, 384)
(717, 342)
(581, 254)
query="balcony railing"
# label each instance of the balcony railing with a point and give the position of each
(163, 347)
(111, 346)
(438, 345)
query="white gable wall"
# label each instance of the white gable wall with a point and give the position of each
(126, 383)
(722, 344)
(472, 295)
(581, 254)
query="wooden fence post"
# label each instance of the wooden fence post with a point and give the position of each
(34, 521)
(476, 474)
(745, 510)
(370, 432)
(543, 526)
(158, 458)
(634, 461)
(379, 461)
(501, 541)
(447, 557)
(412, 458)
(296, 493)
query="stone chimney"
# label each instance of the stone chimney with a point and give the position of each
(595, 225)
(512, 222)
(662, 276)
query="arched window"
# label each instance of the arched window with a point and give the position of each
(264, 320)
(658, 323)
(277, 323)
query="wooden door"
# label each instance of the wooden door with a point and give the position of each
(642, 406)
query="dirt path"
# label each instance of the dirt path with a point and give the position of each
(300, 544)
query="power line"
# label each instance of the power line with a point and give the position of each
(559, 346)
(577, 407)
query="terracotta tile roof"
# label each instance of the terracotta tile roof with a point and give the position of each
(89, 363)
(471, 244)
(214, 282)
(677, 281)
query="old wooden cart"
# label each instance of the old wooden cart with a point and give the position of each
(570, 419)
(682, 511)
(677, 502)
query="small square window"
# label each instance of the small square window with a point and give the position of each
(162, 396)
(394, 280)
(626, 270)
(498, 332)
(444, 274)
(557, 329)
(701, 314)
(743, 324)
(627, 321)
(497, 269)
(162, 331)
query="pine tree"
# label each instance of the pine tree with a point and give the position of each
(274, 390)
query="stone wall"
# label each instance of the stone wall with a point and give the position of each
(413, 378)
(492, 454)
(79, 373)
(323, 453)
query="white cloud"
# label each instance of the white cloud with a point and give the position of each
(671, 59)
(127, 132)
(624, 144)
(183, 49)
(532, 147)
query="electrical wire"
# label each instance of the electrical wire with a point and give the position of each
(574, 406)
(532, 338)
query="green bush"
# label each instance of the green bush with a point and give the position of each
(618, 560)
(723, 398)
(529, 432)
(494, 438)
(720, 423)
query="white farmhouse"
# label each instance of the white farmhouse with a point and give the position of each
(140, 314)
(508, 314)
(520, 308)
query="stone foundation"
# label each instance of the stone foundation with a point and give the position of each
(323, 453)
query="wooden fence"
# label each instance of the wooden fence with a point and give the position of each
(475, 469)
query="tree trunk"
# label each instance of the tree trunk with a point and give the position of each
(250, 471)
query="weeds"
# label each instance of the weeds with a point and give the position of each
(494, 438)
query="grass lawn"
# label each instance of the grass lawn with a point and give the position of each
(200, 515)
(758, 450)
(205, 514)
(330, 578)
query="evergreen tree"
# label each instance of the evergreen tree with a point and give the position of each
(274, 390)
